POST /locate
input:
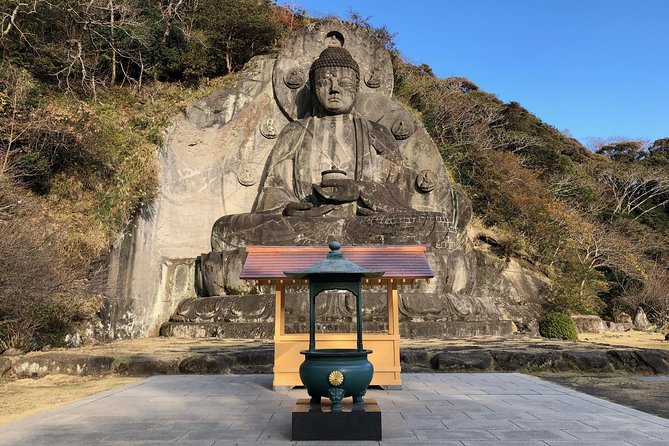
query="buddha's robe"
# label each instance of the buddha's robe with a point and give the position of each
(365, 150)
(369, 154)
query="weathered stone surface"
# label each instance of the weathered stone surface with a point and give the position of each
(237, 152)
(658, 360)
(628, 361)
(252, 316)
(239, 330)
(207, 364)
(37, 366)
(593, 361)
(532, 328)
(623, 318)
(619, 326)
(459, 361)
(152, 266)
(5, 366)
(455, 328)
(508, 360)
(589, 324)
(145, 365)
(246, 356)
(641, 321)
(415, 359)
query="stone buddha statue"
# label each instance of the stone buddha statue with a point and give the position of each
(314, 147)
(322, 163)
(330, 174)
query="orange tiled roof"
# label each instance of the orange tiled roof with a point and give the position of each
(398, 262)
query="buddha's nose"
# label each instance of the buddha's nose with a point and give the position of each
(334, 86)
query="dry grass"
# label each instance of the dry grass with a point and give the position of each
(630, 338)
(25, 397)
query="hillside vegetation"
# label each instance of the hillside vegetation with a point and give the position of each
(86, 88)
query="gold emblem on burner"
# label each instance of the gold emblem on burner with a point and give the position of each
(336, 378)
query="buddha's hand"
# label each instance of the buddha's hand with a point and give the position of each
(338, 190)
(306, 210)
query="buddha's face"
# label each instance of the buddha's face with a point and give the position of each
(336, 89)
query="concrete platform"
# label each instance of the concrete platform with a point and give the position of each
(456, 409)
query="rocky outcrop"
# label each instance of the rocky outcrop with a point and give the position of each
(589, 324)
(221, 357)
(215, 162)
(641, 321)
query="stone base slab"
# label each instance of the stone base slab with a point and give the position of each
(313, 422)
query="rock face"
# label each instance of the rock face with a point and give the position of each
(243, 166)
(589, 324)
(641, 321)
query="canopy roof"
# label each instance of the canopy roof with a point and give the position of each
(333, 264)
(397, 261)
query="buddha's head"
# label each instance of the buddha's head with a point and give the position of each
(334, 78)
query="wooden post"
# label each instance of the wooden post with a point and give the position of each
(393, 308)
(279, 311)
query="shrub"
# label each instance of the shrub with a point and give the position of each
(558, 326)
(41, 296)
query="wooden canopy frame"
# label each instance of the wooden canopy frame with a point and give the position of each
(402, 265)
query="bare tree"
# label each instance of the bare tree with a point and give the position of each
(16, 88)
(635, 188)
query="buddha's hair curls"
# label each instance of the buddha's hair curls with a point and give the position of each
(335, 57)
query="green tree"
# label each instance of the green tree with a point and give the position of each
(623, 151)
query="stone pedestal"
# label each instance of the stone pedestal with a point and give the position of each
(316, 422)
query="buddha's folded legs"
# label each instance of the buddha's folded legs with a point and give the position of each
(235, 231)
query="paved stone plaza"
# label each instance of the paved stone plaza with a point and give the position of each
(446, 409)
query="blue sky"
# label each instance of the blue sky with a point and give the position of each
(598, 68)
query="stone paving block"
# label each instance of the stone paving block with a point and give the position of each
(144, 435)
(641, 425)
(534, 434)
(480, 424)
(445, 434)
(650, 443)
(405, 435)
(336, 443)
(230, 434)
(504, 443)
(413, 443)
(424, 424)
(589, 443)
(662, 434)
(508, 415)
(612, 435)
(575, 425)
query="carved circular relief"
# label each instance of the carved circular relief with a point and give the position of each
(426, 181)
(268, 129)
(334, 38)
(293, 79)
(336, 378)
(247, 176)
(374, 78)
(402, 129)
